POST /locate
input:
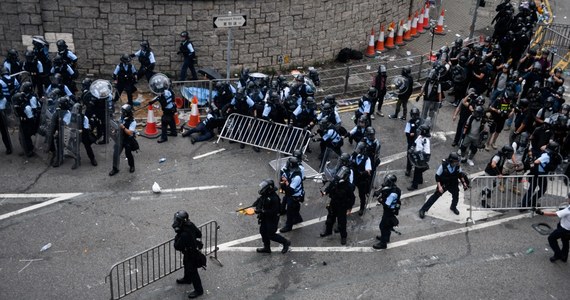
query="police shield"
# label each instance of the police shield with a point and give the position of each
(159, 83)
(103, 108)
(72, 125)
(418, 159)
(117, 136)
(48, 122)
(399, 85)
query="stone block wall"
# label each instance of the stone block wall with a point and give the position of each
(304, 32)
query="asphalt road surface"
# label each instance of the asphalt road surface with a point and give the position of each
(94, 221)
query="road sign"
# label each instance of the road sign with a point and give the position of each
(230, 21)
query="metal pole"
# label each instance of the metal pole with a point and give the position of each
(229, 54)
(472, 27)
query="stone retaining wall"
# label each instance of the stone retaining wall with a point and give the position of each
(303, 32)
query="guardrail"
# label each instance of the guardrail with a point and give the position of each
(148, 266)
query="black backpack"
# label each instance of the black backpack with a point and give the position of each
(344, 55)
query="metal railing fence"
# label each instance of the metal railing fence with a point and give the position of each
(513, 192)
(146, 267)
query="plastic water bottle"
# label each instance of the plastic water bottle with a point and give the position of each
(44, 248)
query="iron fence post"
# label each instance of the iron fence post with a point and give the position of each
(346, 79)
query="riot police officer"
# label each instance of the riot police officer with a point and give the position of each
(189, 53)
(187, 241)
(67, 55)
(447, 176)
(23, 111)
(166, 101)
(267, 210)
(364, 106)
(389, 196)
(362, 167)
(125, 77)
(146, 58)
(36, 70)
(330, 138)
(292, 184)
(127, 127)
(341, 196)
(421, 152)
(67, 73)
(12, 62)
(4, 123)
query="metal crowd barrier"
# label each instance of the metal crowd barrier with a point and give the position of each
(146, 267)
(488, 188)
(264, 134)
(554, 36)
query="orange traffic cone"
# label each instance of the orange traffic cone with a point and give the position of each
(408, 33)
(390, 41)
(179, 102)
(150, 130)
(421, 21)
(400, 36)
(194, 114)
(414, 29)
(439, 28)
(380, 43)
(370, 52)
(176, 119)
(432, 56)
(427, 25)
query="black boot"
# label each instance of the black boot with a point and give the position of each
(380, 245)
(263, 250)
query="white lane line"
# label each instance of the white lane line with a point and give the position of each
(197, 188)
(391, 245)
(209, 153)
(56, 198)
(226, 246)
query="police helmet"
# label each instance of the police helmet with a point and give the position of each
(523, 103)
(29, 55)
(390, 180)
(370, 133)
(458, 42)
(382, 69)
(424, 130)
(552, 146)
(453, 157)
(330, 99)
(61, 45)
(145, 45)
(372, 92)
(549, 102)
(266, 187)
(324, 124)
(562, 120)
(64, 103)
(360, 147)
(126, 110)
(57, 78)
(415, 113)
(327, 107)
(281, 78)
(444, 49)
(311, 104)
(557, 70)
(560, 91)
(362, 120)
(406, 71)
(342, 174)
(463, 59)
(58, 60)
(292, 163)
(298, 154)
(125, 58)
(344, 159)
(26, 87)
(184, 34)
(180, 218)
(478, 112)
(54, 93)
(565, 108)
(480, 101)
(507, 151)
(86, 83)
(12, 54)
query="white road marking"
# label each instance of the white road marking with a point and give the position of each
(209, 153)
(196, 188)
(390, 246)
(56, 198)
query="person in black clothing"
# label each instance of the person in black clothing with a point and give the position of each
(187, 241)
(447, 176)
(341, 196)
(146, 58)
(125, 76)
(380, 81)
(390, 199)
(464, 110)
(267, 210)
(406, 91)
(127, 127)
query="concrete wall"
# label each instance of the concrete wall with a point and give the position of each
(304, 32)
